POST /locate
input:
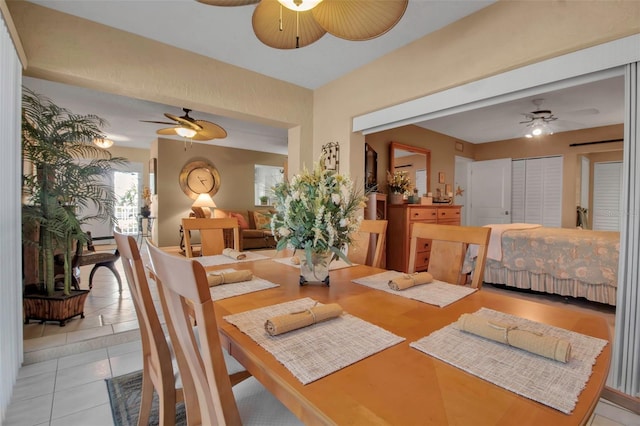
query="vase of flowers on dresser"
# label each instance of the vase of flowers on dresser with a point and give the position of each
(398, 184)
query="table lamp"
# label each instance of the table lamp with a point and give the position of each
(202, 205)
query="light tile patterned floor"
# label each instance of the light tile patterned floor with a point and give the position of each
(62, 381)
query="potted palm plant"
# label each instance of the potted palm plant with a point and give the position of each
(63, 175)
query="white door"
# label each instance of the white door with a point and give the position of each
(490, 192)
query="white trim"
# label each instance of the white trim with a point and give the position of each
(591, 64)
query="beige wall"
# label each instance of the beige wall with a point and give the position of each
(557, 144)
(494, 40)
(71, 50)
(236, 168)
(442, 149)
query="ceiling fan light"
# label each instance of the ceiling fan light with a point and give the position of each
(185, 132)
(103, 143)
(299, 5)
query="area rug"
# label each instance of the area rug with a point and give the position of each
(124, 395)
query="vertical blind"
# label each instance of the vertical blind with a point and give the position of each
(10, 258)
(607, 182)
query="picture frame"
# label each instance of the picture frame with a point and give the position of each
(153, 177)
(459, 147)
(331, 156)
(440, 177)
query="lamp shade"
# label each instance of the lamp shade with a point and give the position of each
(204, 200)
(185, 132)
(103, 143)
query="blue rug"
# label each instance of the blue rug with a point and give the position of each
(124, 395)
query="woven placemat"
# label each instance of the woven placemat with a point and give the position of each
(316, 351)
(436, 293)
(224, 291)
(335, 264)
(221, 259)
(549, 382)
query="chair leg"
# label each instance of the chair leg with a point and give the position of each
(146, 398)
(112, 268)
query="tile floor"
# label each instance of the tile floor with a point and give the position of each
(106, 344)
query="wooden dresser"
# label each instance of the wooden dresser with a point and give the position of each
(400, 218)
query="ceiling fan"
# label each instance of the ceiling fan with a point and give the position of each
(537, 120)
(289, 24)
(190, 128)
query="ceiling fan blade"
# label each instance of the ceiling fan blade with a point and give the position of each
(169, 131)
(266, 19)
(228, 2)
(209, 131)
(186, 122)
(157, 122)
(358, 20)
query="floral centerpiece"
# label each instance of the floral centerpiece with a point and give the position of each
(146, 200)
(398, 182)
(317, 211)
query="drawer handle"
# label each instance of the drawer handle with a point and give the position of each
(426, 245)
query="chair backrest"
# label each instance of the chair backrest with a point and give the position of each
(154, 343)
(211, 234)
(184, 290)
(449, 245)
(368, 243)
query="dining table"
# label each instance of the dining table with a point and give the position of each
(401, 385)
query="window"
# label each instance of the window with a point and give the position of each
(607, 185)
(536, 188)
(265, 178)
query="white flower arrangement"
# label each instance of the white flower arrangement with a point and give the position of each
(316, 212)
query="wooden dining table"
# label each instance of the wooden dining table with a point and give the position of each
(401, 385)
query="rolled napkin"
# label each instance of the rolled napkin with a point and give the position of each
(234, 254)
(537, 343)
(409, 280)
(293, 321)
(295, 260)
(217, 278)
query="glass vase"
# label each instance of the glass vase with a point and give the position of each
(318, 270)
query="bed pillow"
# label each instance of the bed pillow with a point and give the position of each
(261, 220)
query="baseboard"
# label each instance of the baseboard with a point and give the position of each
(622, 399)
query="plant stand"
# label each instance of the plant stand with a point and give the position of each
(58, 307)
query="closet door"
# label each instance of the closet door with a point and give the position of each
(607, 178)
(537, 191)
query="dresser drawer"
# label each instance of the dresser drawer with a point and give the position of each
(448, 214)
(416, 213)
(422, 261)
(423, 245)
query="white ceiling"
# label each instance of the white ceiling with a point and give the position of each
(225, 34)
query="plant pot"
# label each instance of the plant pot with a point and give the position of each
(318, 270)
(396, 198)
(145, 211)
(58, 307)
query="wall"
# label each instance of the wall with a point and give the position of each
(493, 40)
(236, 169)
(557, 144)
(75, 51)
(442, 151)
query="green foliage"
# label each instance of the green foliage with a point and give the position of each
(130, 197)
(64, 173)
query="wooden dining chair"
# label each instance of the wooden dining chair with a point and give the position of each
(209, 397)
(448, 244)
(368, 243)
(157, 355)
(212, 234)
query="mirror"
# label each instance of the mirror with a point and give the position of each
(265, 178)
(415, 161)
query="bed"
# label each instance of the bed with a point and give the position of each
(568, 262)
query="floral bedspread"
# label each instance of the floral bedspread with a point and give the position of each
(587, 256)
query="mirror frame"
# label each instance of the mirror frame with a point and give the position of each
(396, 145)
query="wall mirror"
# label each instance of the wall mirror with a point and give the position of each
(265, 178)
(413, 160)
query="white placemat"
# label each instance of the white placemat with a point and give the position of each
(224, 291)
(436, 293)
(221, 259)
(549, 382)
(335, 264)
(313, 352)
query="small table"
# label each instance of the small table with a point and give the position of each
(145, 231)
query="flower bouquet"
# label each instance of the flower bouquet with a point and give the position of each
(398, 183)
(316, 211)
